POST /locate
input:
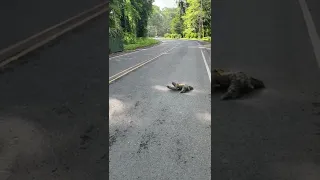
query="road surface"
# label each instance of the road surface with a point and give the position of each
(54, 110)
(156, 133)
(274, 134)
(21, 19)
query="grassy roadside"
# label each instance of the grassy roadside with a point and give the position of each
(140, 43)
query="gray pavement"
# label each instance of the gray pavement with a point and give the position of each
(156, 133)
(119, 63)
(273, 134)
(21, 19)
(314, 9)
(54, 109)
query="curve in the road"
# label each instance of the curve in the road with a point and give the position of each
(132, 68)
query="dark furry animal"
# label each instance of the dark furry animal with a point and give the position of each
(180, 87)
(236, 83)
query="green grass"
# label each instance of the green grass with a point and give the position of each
(140, 43)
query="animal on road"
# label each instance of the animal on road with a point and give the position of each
(236, 83)
(183, 88)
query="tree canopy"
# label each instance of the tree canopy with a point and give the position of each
(190, 19)
(130, 16)
(139, 18)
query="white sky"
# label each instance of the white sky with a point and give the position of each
(165, 3)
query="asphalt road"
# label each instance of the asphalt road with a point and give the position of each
(273, 134)
(21, 19)
(156, 133)
(314, 9)
(54, 110)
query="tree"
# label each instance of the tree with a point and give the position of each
(131, 16)
(169, 15)
(139, 18)
(177, 25)
(160, 21)
(156, 21)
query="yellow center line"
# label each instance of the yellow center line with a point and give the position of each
(51, 28)
(47, 39)
(132, 68)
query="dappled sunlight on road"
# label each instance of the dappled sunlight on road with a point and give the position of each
(204, 117)
(116, 108)
(161, 88)
(124, 114)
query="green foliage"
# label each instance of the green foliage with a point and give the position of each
(128, 19)
(191, 17)
(160, 21)
(208, 39)
(129, 38)
(172, 36)
(133, 20)
(141, 42)
(114, 32)
(188, 19)
(177, 25)
(190, 34)
(130, 15)
(196, 18)
(182, 5)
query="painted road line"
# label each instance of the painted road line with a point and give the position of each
(50, 28)
(140, 63)
(123, 54)
(24, 47)
(135, 51)
(205, 63)
(311, 29)
(41, 43)
(128, 70)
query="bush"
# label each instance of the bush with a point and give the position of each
(190, 35)
(207, 39)
(129, 38)
(113, 32)
(140, 42)
(167, 35)
(172, 36)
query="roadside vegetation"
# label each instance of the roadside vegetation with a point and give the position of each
(140, 43)
(191, 19)
(129, 20)
(136, 22)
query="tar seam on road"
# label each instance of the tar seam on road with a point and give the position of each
(206, 64)
(132, 68)
(311, 29)
(50, 37)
